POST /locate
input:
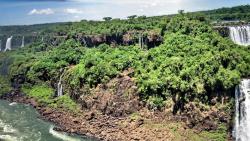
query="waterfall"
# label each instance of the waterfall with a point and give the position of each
(60, 87)
(242, 111)
(141, 43)
(22, 42)
(240, 34)
(0, 45)
(8, 44)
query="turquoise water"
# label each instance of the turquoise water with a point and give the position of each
(19, 122)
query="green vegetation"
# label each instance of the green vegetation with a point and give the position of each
(4, 85)
(218, 135)
(45, 96)
(118, 26)
(176, 129)
(234, 13)
(193, 63)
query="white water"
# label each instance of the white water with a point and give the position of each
(8, 44)
(242, 111)
(240, 34)
(61, 135)
(19, 122)
(60, 87)
(141, 44)
(0, 45)
(22, 42)
(13, 103)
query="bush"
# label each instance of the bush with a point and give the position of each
(155, 102)
(5, 86)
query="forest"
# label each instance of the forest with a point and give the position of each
(191, 63)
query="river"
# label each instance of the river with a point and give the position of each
(19, 122)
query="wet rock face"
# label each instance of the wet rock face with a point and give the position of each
(116, 98)
(17, 80)
(128, 38)
(153, 40)
(223, 31)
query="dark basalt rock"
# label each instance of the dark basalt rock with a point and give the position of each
(223, 30)
(128, 38)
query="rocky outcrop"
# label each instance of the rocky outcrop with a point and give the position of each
(222, 30)
(128, 38)
(116, 98)
(204, 119)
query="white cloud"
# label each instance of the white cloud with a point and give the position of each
(47, 11)
(76, 17)
(73, 11)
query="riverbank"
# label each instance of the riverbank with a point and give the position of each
(141, 125)
(90, 124)
(20, 122)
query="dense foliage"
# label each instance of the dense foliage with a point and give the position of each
(234, 13)
(118, 26)
(193, 62)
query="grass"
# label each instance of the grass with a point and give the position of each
(45, 95)
(42, 93)
(4, 85)
(180, 133)
(135, 116)
(218, 135)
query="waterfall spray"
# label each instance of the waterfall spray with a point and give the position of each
(22, 42)
(242, 111)
(60, 86)
(0, 45)
(240, 34)
(141, 43)
(8, 44)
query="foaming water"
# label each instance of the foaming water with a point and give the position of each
(13, 103)
(62, 136)
(19, 122)
(242, 111)
(22, 42)
(8, 44)
(240, 34)
(60, 87)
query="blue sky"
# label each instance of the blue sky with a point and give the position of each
(23, 12)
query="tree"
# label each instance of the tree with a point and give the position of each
(132, 17)
(181, 12)
(107, 18)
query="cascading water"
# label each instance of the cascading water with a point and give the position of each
(141, 43)
(8, 44)
(242, 111)
(22, 42)
(240, 34)
(60, 87)
(0, 45)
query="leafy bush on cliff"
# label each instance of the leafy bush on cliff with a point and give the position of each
(98, 65)
(5, 86)
(193, 60)
(46, 96)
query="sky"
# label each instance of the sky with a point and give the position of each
(26, 12)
